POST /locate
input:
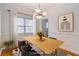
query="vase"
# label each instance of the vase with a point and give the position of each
(40, 38)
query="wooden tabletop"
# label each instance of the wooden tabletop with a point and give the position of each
(47, 46)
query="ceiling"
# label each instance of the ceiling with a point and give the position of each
(30, 6)
(43, 6)
(35, 5)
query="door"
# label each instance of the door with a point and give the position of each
(45, 27)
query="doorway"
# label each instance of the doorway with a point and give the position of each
(45, 27)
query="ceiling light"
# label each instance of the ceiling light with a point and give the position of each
(39, 13)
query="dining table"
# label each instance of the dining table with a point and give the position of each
(46, 45)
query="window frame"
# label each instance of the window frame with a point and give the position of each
(24, 25)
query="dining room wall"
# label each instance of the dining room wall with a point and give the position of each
(71, 39)
(0, 22)
(7, 20)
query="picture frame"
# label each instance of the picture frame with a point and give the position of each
(66, 22)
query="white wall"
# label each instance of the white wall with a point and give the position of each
(71, 39)
(0, 24)
(7, 19)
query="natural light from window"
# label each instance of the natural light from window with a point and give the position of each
(24, 25)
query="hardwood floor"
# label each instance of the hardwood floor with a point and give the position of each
(8, 52)
(60, 52)
(69, 53)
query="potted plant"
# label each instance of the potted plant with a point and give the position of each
(40, 35)
(8, 44)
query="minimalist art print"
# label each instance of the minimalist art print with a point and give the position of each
(66, 22)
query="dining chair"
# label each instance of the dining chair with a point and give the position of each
(26, 49)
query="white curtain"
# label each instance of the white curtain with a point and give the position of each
(14, 34)
(34, 25)
(12, 26)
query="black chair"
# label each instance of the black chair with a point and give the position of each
(26, 49)
(53, 38)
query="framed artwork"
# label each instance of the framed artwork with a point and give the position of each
(65, 23)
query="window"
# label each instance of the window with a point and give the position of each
(24, 25)
(47, 25)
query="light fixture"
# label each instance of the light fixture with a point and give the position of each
(39, 13)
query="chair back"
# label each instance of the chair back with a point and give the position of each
(53, 38)
(23, 46)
